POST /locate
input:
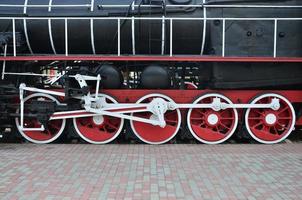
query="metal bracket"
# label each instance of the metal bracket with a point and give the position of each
(21, 126)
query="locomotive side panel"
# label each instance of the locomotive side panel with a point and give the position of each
(207, 79)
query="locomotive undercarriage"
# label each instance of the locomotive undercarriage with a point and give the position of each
(72, 100)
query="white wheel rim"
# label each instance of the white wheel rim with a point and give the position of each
(177, 127)
(190, 125)
(38, 141)
(290, 129)
(100, 142)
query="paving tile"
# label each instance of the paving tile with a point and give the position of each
(185, 171)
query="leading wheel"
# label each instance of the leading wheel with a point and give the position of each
(53, 130)
(269, 126)
(151, 134)
(209, 126)
(99, 129)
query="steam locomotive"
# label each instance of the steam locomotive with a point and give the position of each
(153, 70)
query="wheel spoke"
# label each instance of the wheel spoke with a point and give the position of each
(258, 124)
(283, 110)
(200, 112)
(197, 118)
(171, 121)
(227, 118)
(224, 126)
(259, 112)
(256, 118)
(282, 126)
(284, 118)
(112, 125)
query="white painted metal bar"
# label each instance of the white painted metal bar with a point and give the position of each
(29, 74)
(44, 6)
(112, 114)
(171, 37)
(118, 36)
(4, 63)
(51, 37)
(223, 37)
(204, 29)
(253, 6)
(14, 37)
(133, 29)
(31, 89)
(21, 96)
(25, 6)
(27, 37)
(92, 28)
(206, 6)
(92, 6)
(66, 36)
(25, 28)
(109, 110)
(133, 35)
(225, 106)
(50, 29)
(155, 18)
(34, 129)
(97, 86)
(275, 37)
(92, 35)
(163, 36)
(49, 5)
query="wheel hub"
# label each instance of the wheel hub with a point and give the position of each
(270, 119)
(212, 119)
(98, 120)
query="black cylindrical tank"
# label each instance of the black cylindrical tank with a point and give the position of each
(155, 77)
(100, 36)
(111, 76)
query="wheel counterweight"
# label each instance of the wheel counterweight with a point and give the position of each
(269, 126)
(209, 126)
(151, 134)
(99, 129)
(53, 130)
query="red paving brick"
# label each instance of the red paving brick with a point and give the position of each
(62, 171)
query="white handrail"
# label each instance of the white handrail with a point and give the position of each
(44, 6)
(163, 19)
(151, 6)
(157, 18)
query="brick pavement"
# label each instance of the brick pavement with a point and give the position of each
(64, 171)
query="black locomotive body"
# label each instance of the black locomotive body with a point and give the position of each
(149, 45)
